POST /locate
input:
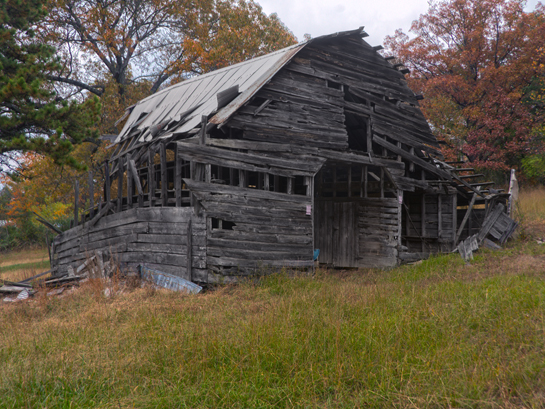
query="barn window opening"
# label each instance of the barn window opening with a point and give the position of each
(334, 85)
(219, 224)
(356, 121)
(300, 187)
(252, 180)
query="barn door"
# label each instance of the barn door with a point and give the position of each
(336, 232)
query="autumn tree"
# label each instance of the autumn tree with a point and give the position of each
(473, 61)
(160, 41)
(32, 116)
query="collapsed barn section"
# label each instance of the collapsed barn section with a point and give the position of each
(257, 166)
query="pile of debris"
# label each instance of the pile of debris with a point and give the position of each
(498, 225)
(91, 268)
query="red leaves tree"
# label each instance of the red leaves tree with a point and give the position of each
(473, 61)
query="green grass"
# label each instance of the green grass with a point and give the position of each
(437, 334)
(26, 266)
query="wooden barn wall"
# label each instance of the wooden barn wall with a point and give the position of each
(357, 232)
(428, 222)
(296, 108)
(252, 228)
(156, 237)
(378, 232)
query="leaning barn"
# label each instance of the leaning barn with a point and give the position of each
(317, 146)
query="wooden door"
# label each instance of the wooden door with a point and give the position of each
(336, 232)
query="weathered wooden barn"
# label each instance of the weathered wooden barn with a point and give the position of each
(320, 145)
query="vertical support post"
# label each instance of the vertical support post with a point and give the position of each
(408, 222)
(131, 170)
(231, 177)
(312, 215)
(207, 173)
(423, 212)
(365, 179)
(439, 218)
(91, 195)
(266, 182)
(350, 181)
(202, 134)
(107, 184)
(381, 182)
(399, 216)
(454, 218)
(48, 246)
(411, 165)
(469, 226)
(308, 184)
(164, 176)
(120, 184)
(334, 185)
(189, 251)
(289, 188)
(369, 130)
(423, 222)
(178, 178)
(513, 193)
(151, 177)
(242, 178)
(76, 202)
(130, 184)
(362, 178)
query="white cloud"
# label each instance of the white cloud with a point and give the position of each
(380, 17)
(320, 17)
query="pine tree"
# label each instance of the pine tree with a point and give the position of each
(32, 116)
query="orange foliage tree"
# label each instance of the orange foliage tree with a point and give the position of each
(160, 41)
(473, 61)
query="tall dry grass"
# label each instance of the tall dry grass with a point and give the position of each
(21, 264)
(531, 204)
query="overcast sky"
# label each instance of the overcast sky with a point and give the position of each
(319, 17)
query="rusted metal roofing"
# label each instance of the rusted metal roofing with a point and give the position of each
(198, 95)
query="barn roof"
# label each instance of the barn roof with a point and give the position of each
(179, 108)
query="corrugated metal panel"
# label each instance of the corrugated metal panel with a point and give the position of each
(179, 98)
(200, 92)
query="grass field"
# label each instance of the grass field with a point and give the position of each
(18, 265)
(439, 334)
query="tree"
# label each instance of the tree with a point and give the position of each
(32, 116)
(473, 61)
(161, 41)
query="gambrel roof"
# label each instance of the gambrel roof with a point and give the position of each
(378, 89)
(179, 108)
